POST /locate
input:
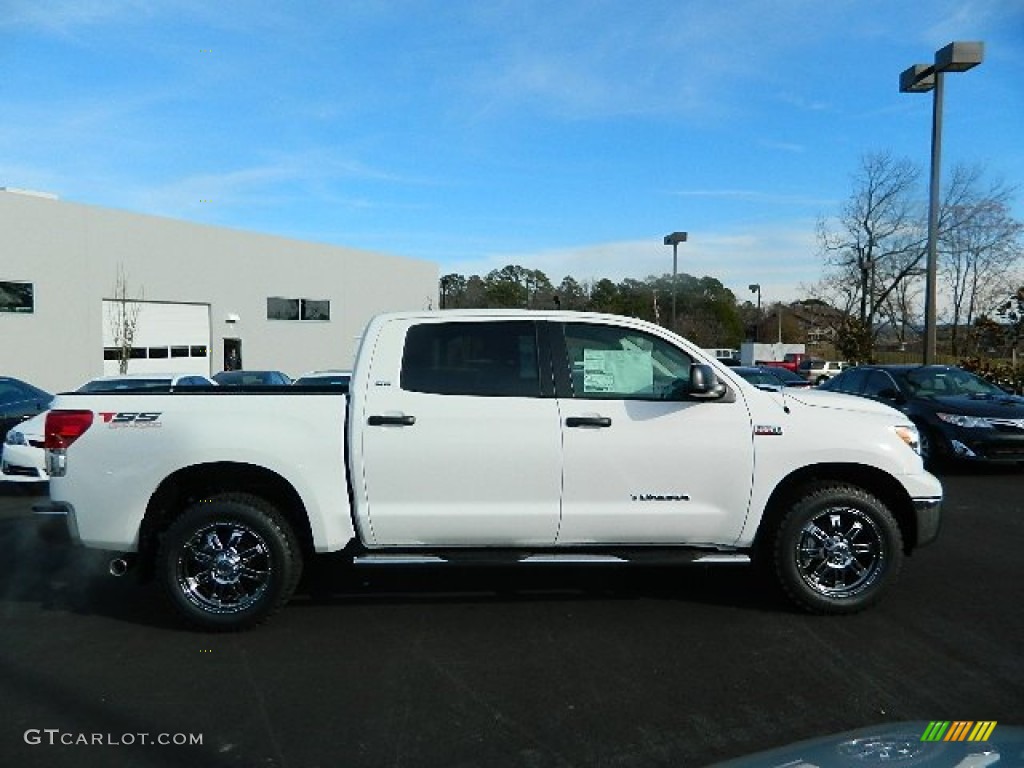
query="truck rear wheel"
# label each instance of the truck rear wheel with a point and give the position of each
(229, 562)
(837, 549)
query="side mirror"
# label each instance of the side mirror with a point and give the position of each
(704, 384)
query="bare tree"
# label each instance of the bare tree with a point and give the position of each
(124, 318)
(901, 307)
(877, 244)
(979, 249)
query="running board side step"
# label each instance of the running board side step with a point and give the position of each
(505, 558)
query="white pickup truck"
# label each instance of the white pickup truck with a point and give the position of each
(511, 436)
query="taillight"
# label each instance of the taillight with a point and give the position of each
(64, 427)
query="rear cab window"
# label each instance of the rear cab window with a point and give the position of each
(485, 359)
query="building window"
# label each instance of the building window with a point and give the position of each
(315, 309)
(279, 308)
(157, 353)
(16, 297)
(282, 309)
(198, 350)
(179, 351)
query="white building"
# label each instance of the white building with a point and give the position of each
(204, 294)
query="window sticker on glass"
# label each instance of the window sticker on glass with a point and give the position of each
(619, 371)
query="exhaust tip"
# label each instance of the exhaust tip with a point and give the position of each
(119, 566)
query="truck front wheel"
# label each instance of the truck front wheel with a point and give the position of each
(229, 562)
(837, 549)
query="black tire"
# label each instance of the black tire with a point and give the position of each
(837, 549)
(229, 562)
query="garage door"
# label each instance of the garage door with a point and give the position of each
(172, 338)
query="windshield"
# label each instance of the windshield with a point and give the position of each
(116, 385)
(787, 376)
(941, 382)
(339, 380)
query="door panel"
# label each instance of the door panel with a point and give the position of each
(640, 467)
(463, 451)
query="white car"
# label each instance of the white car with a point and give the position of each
(23, 459)
(823, 370)
(329, 378)
(136, 381)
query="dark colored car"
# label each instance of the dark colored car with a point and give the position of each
(770, 378)
(334, 379)
(19, 401)
(252, 379)
(959, 415)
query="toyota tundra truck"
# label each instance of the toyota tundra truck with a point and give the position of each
(511, 437)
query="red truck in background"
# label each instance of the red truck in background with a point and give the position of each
(791, 361)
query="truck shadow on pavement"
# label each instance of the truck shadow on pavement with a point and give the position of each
(41, 571)
(330, 579)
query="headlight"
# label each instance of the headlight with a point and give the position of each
(909, 435)
(968, 422)
(14, 437)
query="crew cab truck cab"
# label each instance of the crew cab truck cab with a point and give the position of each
(509, 436)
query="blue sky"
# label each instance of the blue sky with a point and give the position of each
(565, 136)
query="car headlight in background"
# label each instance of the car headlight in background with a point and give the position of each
(14, 437)
(908, 434)
(968, 422)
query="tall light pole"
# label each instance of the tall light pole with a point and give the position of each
(756, 288)
(674, 239)
(921, 78)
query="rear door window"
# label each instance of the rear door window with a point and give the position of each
(851, 382)
(879, 383)
(486, 359)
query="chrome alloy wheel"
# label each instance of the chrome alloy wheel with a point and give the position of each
(224, 567)
(840, 552)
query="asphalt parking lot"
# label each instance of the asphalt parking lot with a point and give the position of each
(595, 667)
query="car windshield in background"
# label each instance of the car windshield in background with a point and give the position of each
(134, 382)
(121, 385)
(251, 379)
(771, 378)
(15, 390)
(930, 382)
(324, 380)
(788, 377)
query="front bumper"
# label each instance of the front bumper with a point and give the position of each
(23, 464)
(928, 517)
(1003, 444)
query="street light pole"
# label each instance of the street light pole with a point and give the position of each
(756, 288)
(674, 239)
(931, 332)
(921, 78)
